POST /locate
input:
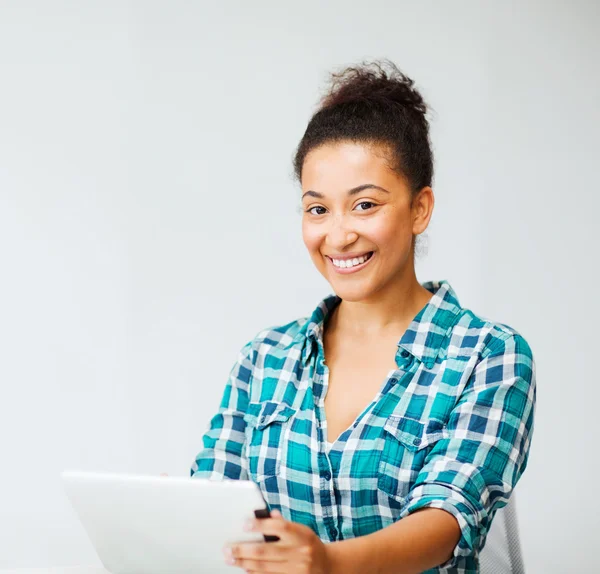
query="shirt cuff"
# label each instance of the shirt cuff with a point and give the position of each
(451, 500)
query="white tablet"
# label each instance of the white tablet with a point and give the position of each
(163, 524)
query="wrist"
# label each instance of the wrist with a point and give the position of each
(332, 557)
(339, 560)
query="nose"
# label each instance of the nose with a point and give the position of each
(340, 233)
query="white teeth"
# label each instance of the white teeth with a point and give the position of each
(346, 263)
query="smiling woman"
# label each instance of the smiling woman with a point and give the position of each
(387, 428)
(378, 220)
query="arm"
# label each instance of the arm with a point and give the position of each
(467, 476)
(416, 543)
(222, 455)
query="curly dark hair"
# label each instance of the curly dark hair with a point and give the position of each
(366, 103)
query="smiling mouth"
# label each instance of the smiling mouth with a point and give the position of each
(349, 264)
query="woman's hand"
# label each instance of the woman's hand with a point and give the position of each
(298, 551)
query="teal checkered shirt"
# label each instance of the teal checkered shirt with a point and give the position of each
(450, 427)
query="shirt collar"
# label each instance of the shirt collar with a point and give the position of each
(424, 336)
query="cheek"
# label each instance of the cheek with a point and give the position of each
(389, 232)
(392, 235)
(311, 237)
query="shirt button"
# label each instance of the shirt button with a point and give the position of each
(417, 441)
(263, 419)
(405, 353)
(327, 475)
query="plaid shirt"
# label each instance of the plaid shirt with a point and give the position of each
(450, 427)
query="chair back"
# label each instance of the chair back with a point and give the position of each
(502, 551)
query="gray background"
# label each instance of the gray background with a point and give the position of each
(149, 226)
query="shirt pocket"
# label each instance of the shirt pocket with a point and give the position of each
(405, 445)
(267, 428)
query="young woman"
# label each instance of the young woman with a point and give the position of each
(387, 428)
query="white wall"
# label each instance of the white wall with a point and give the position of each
(541, 253)
(148, 225)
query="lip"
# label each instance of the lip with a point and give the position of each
(355, 269)
(349, 255)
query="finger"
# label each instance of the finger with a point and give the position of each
(260, 566)
(287, 531)
(260, 551)
(252, 558)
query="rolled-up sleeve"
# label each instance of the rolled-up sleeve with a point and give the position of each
(222, 455)
(471, 471)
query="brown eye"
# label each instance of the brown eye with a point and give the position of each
(315, 207)
(369, 203)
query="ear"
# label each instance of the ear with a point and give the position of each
(422, 209)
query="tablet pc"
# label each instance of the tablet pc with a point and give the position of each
(163, 524)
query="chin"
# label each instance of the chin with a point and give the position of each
(351, 294)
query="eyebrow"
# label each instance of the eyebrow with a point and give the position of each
(351, 192)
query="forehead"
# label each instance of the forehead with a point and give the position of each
(343, 165)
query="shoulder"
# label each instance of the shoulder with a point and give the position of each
(279, 339)
(475, 334)
(493, 359)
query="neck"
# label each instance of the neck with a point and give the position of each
(388, 311)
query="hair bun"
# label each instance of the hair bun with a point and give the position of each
(378, 82)
(374, 102)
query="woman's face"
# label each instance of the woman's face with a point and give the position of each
(357, 221)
